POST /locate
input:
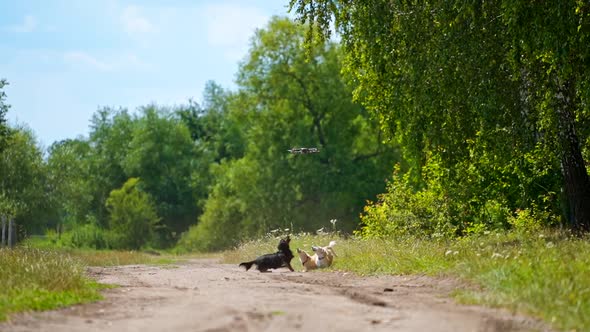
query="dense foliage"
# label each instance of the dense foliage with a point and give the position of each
(23, 180)
(476, 113)
(132, 216)
(217, 172)
(284, 100)
(488, 100)
(3, 110)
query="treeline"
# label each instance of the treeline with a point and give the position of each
(489, 101)
(204, 176)
(477, 113)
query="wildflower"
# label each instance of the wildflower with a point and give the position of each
(333, 222)
(451, 252)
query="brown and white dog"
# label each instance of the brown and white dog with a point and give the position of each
(323, 257)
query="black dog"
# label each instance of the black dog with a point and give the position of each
(281, 258)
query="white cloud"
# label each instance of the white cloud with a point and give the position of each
(231, 26)
(107, 63)
(85, 59)
(132, 61)
(29, 24)
(134, 22)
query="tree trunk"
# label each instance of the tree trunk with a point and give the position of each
(10, 233)
(575, 176)
(3, 241)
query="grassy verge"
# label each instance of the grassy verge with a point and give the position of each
(546, 275)
(91, 257)
(103, 257)
(33, 278)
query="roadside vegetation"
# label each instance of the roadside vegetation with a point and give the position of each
(542, 274)
(453, 138)
(35, 277)
(444, 144)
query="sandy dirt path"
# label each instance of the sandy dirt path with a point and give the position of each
(203, 295)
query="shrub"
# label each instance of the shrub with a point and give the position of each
(132, 218)
(531, 220)
(403, 211)
(85, 236)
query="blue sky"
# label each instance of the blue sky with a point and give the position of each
(66, 58)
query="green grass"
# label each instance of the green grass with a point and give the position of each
(91, 257)
(545, 275)
(35, 279)
(43, 278)
(103, 257)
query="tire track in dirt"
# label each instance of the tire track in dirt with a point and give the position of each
(202, 295)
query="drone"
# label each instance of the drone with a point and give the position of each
(303, 150)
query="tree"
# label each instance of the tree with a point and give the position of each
(23, 184)
(217, 135)
(549, 49)
(69, 182)
(132, 216)
(486, 92)
(4, 130)
(110, 134)
(161, 153)
(285, 101)
(306, 102)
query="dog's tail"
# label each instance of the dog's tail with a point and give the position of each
(330, 246)
(247, 265)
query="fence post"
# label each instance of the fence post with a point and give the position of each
(11, 238)
(3, 243)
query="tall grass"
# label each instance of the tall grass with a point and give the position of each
(91, 257)
(39, 279)
(546, 274)
(35, 276)
(100, 257)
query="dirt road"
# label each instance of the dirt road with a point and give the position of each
(202, 295)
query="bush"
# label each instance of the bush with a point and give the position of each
(209, 235)
(85, 236)
(403, 211)
(132, 218)
(531, 220)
